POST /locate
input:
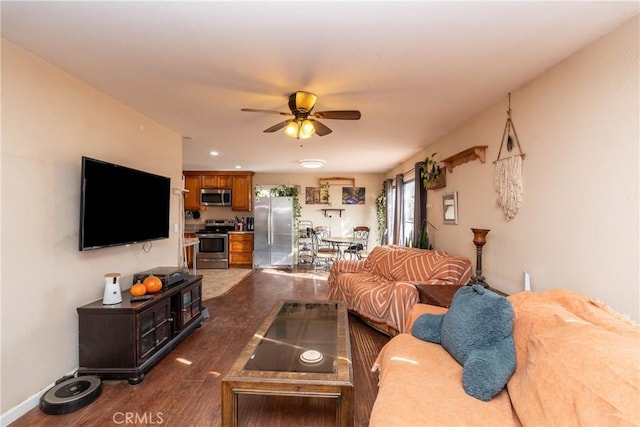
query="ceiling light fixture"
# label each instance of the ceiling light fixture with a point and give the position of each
(312, 163)
(302, 101)
(300, 128)
(213, 153)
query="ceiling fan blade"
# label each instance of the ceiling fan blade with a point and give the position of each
(321, 129)
(277, 127)
(255, 110)
(340, 115)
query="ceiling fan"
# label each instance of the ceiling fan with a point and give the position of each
(304, 124)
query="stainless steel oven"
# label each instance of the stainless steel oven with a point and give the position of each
(213, 251)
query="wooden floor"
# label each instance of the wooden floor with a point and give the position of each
(183, 389)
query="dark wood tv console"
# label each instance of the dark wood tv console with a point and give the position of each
(125, 340)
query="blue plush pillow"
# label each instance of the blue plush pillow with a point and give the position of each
(477, 332)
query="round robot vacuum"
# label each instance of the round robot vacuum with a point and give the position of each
(70, 395)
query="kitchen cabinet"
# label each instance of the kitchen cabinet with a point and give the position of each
(216, 181)
(192, 198)
(123, 341)
(240, 249)
(190, 260)
(241, 184)
(241, 196)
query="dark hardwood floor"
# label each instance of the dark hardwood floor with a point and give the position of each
(183, 389)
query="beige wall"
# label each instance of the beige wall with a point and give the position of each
(578, 226)
(49, 120)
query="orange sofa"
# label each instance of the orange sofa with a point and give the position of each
(577, 364)
(381, 288)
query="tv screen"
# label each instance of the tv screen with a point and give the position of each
(120, 205)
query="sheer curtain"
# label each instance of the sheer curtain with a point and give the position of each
(390, 209)
(399, 203)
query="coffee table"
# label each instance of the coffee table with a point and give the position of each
(300, 349)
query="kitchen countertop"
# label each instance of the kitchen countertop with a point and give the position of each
(190, 241)
(241, 232)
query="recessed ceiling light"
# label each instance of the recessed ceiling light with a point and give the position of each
(213, 153)
(238, 167)
(312, 163)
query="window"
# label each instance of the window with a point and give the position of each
(391, 203)
(400, 211)
(408, 212)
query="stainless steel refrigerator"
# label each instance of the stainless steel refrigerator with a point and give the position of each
(273, 232)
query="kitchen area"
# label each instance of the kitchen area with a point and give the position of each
(218, 227)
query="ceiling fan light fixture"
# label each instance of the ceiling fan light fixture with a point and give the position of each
(307, 129)
(291, 129)
(305, 101)
(312, 163)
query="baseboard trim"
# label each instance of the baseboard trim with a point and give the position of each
(26, 405)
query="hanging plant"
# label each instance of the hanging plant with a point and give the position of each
(381, 213)
(430, 171)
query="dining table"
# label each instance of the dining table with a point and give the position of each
(340, 243)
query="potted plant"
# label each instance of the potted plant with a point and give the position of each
(430, 171)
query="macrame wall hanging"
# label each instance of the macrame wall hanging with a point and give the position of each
(508, 171)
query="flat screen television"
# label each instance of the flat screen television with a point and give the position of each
(121, 206)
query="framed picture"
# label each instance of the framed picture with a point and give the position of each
(316, 196)
(450, 208)
(353, 195)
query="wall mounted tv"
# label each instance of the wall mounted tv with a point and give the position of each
(120, 205)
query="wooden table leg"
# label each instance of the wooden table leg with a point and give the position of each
(345, 408)
(229, 405)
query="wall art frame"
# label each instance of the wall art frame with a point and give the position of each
(450, 208)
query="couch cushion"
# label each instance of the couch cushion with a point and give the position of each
(383, 259)
(420, 386)
(578, 362)
(377, 299)
(429, 267)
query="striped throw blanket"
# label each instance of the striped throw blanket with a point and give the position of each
(382, 286)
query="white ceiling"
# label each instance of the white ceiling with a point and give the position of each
(414, 69)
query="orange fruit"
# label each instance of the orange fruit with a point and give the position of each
(138, 289)
(153, 284)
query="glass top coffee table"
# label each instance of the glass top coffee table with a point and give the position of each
(300, 349)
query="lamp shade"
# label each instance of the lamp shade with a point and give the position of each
(291, 129)
(307, 129)
(305, 101)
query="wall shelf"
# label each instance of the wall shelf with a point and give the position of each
(475, 152)
(324, 211)
(337, 181)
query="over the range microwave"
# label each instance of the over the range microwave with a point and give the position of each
(215, 196)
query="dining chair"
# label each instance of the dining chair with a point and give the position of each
(325, 258)
(359, 249)
(322, 232)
